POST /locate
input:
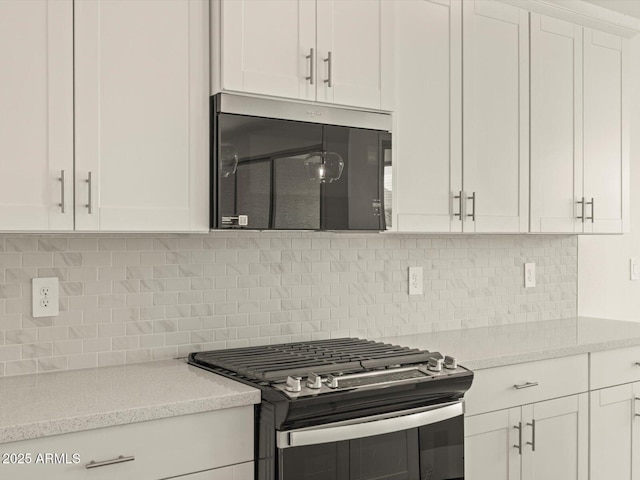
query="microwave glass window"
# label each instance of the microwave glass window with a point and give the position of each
(296, 202)
(287, 175)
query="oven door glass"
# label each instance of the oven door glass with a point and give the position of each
(430, 451)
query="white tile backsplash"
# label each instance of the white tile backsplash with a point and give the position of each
(128, 298)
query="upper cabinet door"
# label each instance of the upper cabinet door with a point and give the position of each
(142, 108)
(355, 53)
(496, 116)
(556, 125)
(605, 161)
(268, 47)
(428, 126)
(36, 115)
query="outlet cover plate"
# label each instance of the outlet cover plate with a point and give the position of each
(44, 294)
(529, 275)
(416, 282)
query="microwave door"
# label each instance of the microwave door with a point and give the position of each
(355, 200)
(296, 198)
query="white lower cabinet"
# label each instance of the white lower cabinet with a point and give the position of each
(529, 421)
(615, 414)
(542, 441)
(215, 445)
(615, 440)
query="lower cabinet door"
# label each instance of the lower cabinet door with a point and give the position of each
(555, 439)
(492, 445)
(614, 426)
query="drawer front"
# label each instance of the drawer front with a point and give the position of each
(497, 388)
(614, 367)
(162, 448)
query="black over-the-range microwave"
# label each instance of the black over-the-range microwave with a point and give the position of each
(281, 165)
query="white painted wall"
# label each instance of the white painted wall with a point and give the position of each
(604, 288)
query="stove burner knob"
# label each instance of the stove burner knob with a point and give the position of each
(450, 363)
(435, 364)
(314, 381)
(293, 384)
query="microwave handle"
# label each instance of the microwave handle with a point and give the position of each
(368, 427)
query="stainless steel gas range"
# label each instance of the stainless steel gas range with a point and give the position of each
(351, 409)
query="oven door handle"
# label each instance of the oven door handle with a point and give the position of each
(368, 427)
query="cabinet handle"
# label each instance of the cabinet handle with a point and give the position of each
(473, 207)
(90, 204)
(329, 79)
(526, 385)
(581, 203)
(592, 203)
(533, 435)
(459, 198)
(519, 445)
(61, 204)
(312, 62)
(113, 461)
(635, 408)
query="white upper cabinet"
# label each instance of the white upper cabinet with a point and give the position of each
(355, 53)
(141, 105)
(320, 50)
(606, 159)
(36, 115)
(265, 45)
(427, 132)
(495, 116)
(579, 163)
(556, 125)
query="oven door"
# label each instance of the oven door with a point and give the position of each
(418, 444)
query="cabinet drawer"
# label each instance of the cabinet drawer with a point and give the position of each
(495, 388)
(162, 448)
(614, 367)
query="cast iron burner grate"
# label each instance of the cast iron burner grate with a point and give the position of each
(274, 362)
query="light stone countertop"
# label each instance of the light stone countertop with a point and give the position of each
(40, 405)
(487, 347)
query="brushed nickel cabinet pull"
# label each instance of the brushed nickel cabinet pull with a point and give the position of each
(592, 210)
(473, 206)
(526, 385)
(312, 62)
(533, 435)
(581, 203)
(329, 79)
(90, 204)
(519, 445)
(61, 204)
(459, 198)
(113, 461)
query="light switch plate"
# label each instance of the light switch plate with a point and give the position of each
(634, 268)
(529, 275)
(45, 297)
(416, 281)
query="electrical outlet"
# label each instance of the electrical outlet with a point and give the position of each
(45, 297)
(416, 281)
(529, 275)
